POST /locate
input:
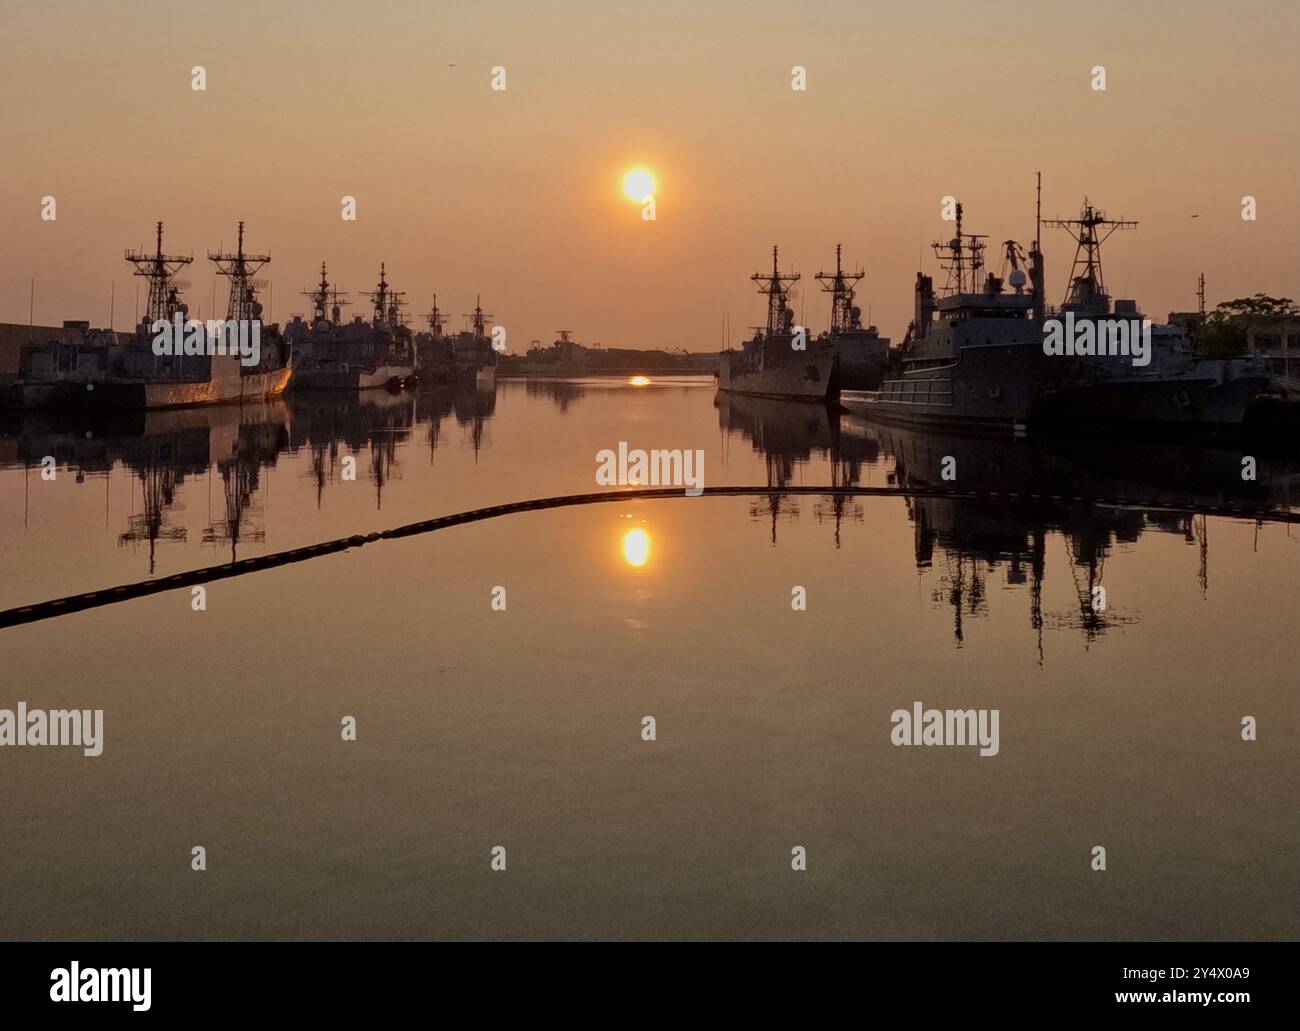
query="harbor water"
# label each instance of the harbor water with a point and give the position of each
(500, 674)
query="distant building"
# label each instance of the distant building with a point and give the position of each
(1275, 338)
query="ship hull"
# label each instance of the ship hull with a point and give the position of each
(378, 378)
(996, 388)
(1209, 405)
(862, 363)
(126, 395)
(812, 379)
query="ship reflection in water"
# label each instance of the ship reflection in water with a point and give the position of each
(1040, 505)
(1044, 489)
(216, 458)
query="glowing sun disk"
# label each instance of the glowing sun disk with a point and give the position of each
(638, 184)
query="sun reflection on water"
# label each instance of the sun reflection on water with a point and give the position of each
(636, 547)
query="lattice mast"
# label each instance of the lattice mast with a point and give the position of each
(841, 286)
(240, 269)
(1087, 289)
(777, 289)
(435, 318)
(962, 258)
(478, 318)
(327, 302)
(160, 270)
(387, 302)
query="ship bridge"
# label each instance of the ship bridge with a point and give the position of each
(985, 306)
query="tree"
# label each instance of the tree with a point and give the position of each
(1224, 332)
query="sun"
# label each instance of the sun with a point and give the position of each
(638, 184)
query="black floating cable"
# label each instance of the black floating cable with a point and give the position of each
(112, 595)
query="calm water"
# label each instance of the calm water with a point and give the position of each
(522, 728)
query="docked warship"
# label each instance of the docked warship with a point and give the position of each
(105, 370)
(464, 357)
(771, 363)
(473, 356)
(357, 355)
(972, 356)
(1176, 388)
(862, 351)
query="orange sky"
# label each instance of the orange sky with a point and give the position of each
(518, 194)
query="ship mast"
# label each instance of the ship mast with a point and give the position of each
(777, 288)
(1087, 290)
(326, 300)
(386, 300)
(1036, 268)
(844, 317)
(320, 297)
(479, 317)
(240, 267)
(962, 258)
(435, 318)
(161, 271)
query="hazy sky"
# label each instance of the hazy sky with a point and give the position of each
(517, 194)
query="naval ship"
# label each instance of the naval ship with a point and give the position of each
(862, 351)
(359, 355)
(973, 356)
(464, 357)
(474, 359)
(104, 370)
(771, 363)
(434, 353)
(1177, 388)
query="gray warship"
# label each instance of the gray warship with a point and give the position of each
(359, 355)
(863, 353)
(771, 364)
(103, 370)
(1177, 389)
(972, 357)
